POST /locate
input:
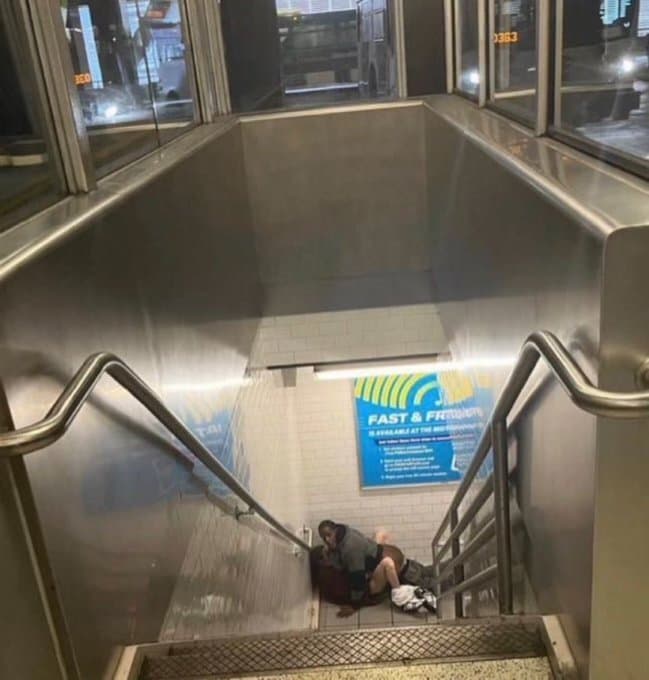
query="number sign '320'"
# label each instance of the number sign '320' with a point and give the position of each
(82, 79)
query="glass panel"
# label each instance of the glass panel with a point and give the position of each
(605, 73)
(300, 53)
(514, 50)
(132, 74)
(172, 72)
(467, 35)
(28, 180)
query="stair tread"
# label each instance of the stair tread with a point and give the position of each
(508, 669)
(275, 653)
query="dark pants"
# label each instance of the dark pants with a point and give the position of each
(414, 573)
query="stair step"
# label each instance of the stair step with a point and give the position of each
(271, 654)
(508, 669)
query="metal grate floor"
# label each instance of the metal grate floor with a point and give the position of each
(227, 658)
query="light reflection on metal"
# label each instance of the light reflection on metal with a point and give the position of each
(413, 365)
(542, 344)
(65, 409)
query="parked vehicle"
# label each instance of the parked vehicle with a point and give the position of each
(376, 56)
(318, 49)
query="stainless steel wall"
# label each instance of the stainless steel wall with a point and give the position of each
(361, 206)
(529, 235)
(237, 578)
(621, 546)
(29, 647)
(339, 207)
(508, 261)
(168, 280)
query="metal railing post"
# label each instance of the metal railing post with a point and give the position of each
(400, 49)
(53, 51)
(586, 396)
(449, 44)
(482, 52)
(438, 583)
(77, 393)
(458, 572)
(501, 508)
(491, 50)
(542, 66)
(558, 63)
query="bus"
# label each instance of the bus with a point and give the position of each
(318, 50)
(377, 64)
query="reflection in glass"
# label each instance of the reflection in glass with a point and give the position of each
(605, 73)
(376, 57)
(319, 51)
(514, 53)
(132, 75)
(468, 76)
(301, 53)
(28, 180)
(171, 75)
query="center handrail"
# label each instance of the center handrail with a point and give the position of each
(585, 395)
(77, 392)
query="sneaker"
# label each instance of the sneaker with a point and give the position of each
(429, 599)
(413, 605)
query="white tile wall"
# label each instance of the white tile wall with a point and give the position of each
(349, 335)
(266, 427)
(325, 417)
(327, 436)
(236, 577)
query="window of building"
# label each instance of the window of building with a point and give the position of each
(133, 75)
(467, 46)
(603, 95)
(299, 53)
(28, 178)
(514, 56)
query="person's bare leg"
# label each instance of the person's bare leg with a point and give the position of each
(384, 574)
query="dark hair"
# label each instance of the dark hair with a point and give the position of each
(327, 524)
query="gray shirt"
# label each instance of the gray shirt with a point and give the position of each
(357, 555)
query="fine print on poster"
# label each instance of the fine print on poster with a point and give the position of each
(419, 429)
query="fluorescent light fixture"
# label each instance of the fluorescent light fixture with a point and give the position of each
(474, 77)
(373, 369)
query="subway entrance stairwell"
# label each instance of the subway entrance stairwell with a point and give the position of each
(166, 513)
(235, 239)
(505, 639)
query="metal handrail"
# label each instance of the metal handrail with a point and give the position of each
(77, 392)
(585, 395)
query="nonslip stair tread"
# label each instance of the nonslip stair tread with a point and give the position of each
(265, 654)
(508, 669)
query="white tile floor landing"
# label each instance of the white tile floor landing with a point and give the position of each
(382, 615)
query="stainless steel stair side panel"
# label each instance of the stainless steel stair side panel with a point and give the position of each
(167, 278)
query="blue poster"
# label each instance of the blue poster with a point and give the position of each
(214, 428)
(143, 472)
(419, 429)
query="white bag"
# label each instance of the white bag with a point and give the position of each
(402, 595)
